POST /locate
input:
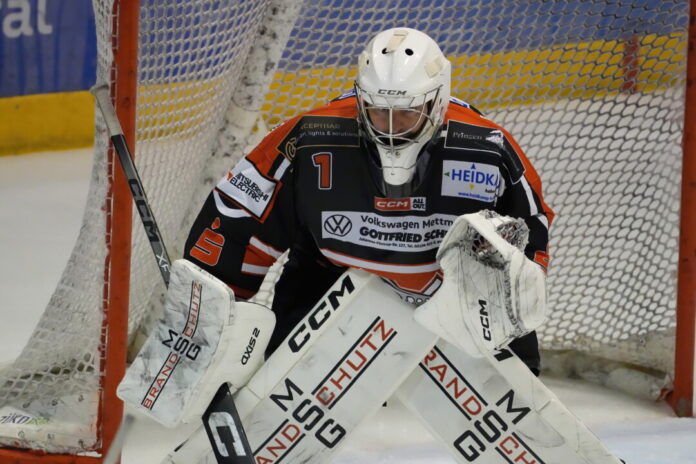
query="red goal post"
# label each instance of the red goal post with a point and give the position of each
(682, 397)
(116, 276)
(193, 86)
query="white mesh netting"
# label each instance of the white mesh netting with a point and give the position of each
(592, 90)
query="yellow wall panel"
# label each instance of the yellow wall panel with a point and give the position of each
(46, 122)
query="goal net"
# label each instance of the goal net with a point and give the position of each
(592, 90)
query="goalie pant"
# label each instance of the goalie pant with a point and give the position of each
(312, 186)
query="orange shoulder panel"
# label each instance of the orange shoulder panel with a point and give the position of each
(468, 116)
(266, 152)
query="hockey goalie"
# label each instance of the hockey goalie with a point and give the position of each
(417, 238)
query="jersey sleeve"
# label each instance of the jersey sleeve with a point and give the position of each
(248, 220)
(522, 197)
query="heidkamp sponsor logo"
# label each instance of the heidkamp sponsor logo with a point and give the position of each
(473, 176)
(338, 224)
(477, 181)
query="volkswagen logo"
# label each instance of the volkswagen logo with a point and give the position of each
(338, 224)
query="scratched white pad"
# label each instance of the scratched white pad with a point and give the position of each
(203, 339)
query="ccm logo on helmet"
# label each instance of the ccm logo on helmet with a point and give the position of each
(391, 92)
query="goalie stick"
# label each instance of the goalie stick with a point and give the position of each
(101, 93)
(114, 452)
(221, 419)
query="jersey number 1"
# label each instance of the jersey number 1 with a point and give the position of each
(323, 162)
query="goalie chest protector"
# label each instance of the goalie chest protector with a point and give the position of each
(341, 200)
(316, 180)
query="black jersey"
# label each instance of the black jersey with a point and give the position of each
(315, 181)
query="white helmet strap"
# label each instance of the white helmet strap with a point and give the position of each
(395, 41)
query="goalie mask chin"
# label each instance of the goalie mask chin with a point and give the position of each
(402, 90)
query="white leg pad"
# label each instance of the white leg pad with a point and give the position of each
(339, 364)
(493, 410)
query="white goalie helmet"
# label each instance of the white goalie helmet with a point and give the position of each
(403, 88)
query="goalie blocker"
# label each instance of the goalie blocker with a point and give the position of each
(203, 339)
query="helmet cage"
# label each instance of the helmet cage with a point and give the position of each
(423, 104)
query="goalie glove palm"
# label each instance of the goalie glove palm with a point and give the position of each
(491, 292)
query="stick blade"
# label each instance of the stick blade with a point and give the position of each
(225, 431)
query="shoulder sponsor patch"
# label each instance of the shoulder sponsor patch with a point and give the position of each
(476, 181)
(462, 136)
(247, 187)
(320, 131)
(402, 233)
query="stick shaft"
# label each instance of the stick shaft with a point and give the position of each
(101, 92)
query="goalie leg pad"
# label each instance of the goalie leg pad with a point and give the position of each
(493, 410)
(339, 364)
(491, 292)
(347, 374)
(203, 339)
